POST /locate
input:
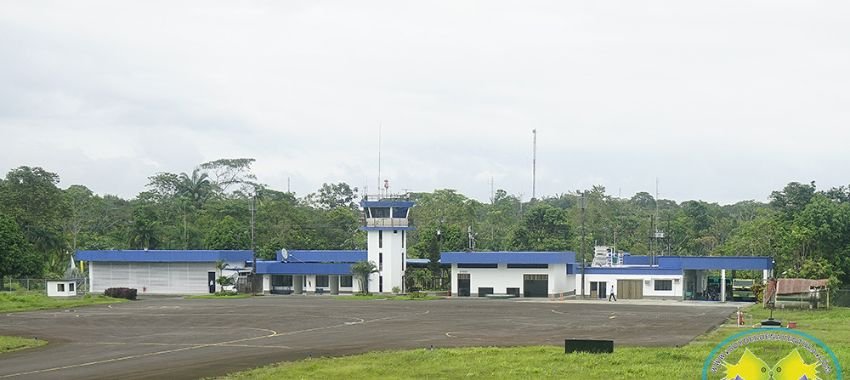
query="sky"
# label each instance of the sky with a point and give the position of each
(720, 101)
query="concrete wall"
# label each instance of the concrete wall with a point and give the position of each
(155, 278)
(502, 277)
(68, 288)
(648, 283)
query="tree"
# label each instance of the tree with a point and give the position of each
(30, 196)
(196, 189)
(17, 257)
(543, 228)
(331, 196)
(222, 280)
(227, 234)
(361, 270)
(228, 172)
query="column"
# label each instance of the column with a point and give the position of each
(297, 284)
(334, 283)
(267, 283)
(723, 285)
(764, 276)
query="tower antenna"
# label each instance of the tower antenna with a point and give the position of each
(534, 166)
(380, 126)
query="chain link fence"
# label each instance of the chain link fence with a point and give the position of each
(36, 285)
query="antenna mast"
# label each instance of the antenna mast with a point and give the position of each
(380, 126)
(534, 166)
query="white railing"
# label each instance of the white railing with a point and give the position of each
(387, 222)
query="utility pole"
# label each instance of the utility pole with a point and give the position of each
(253, 244)
(581, 246)
(534, 166)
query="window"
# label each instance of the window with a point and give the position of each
(380, 261)
(380, 212)
(402, 239)
(492, 266)
(71, 287)
(380, 239)
(513, 291)
(663, 285)
(60, 287)
(322, 281)
(345, 281)
(483, 292)
(381, 284)
(535, 266)
(284, 280)
(400, 212)
(535, 277)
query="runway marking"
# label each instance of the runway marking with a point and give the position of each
(173, 344)
(558, 312)
(220, 344)
(449, 334)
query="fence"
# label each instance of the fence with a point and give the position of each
(35, 285)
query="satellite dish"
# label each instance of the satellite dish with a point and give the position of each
(284, 254)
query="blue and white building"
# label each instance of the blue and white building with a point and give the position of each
(300, 272)
(162, 271)
(520, 274)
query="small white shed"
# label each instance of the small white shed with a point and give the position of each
(61, 288)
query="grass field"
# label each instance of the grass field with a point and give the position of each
(833, 327)
(12, 343)
(27, 302)
(408, 297)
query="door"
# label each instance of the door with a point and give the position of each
(463, 284)
(630, 289)
(535, 285)
(211, 281)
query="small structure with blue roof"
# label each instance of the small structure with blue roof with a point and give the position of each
(518, 274)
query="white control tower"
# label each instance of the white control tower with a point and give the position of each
(386, 223)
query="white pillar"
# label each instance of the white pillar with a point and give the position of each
(723, 285)
(764, 276)
(267, 283)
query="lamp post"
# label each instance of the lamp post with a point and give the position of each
(583, 206)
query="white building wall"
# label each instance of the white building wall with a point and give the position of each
(388, 254)
(502, 278)
(69, 288)
(648, 283)
(156, 278)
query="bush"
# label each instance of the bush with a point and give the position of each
(396, 290)
(414, 295)
(125, 293)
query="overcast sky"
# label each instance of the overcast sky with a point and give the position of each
(721, 100)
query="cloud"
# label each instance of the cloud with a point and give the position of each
(723, 101)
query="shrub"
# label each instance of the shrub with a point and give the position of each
(125, 293)
(414, 295)
(396, 290)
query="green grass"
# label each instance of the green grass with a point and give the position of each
(833, 327)
(382, 297)
(11, 302)
(217, 296)
(13, 343)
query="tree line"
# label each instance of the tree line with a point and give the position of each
(212, 206)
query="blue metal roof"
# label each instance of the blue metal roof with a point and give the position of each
(716, 262)
(507, 257)
(649, 271)
(307, 256)
(387, 203)
(165, 256)
(274, 267)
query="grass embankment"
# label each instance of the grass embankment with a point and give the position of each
(217, 296)
(28, 302)
(13, 343)
(833, 327)
(382, 297)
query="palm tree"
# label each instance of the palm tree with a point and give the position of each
(196, 189)
(362, 270)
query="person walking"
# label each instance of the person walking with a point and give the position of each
(611, 295)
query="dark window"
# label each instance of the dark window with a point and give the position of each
(345, 281)
(513, 291)
(60, 287)
(322, 281)
(483, 292)
(493, 266)
(534, 266)
(380, 239)
(381, 284)
(380, 212)
(662, 285)
(380, 261)
(71, 287)
(402, 239)
(282, 280)
(400, 212)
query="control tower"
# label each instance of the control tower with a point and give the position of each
(386, 221)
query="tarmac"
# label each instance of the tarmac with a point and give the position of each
(177, 338)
